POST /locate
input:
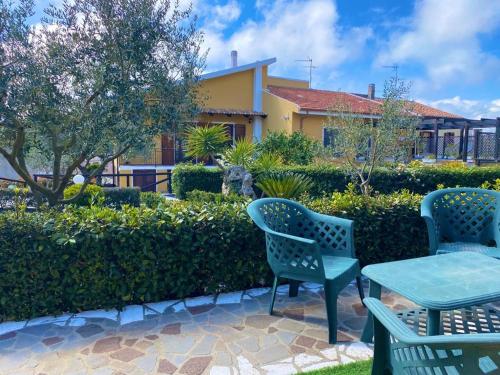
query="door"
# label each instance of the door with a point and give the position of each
(167, 149)
(145, 179)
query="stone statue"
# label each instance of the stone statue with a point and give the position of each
(237, 180)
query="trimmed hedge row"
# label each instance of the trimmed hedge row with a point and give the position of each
(97, 257)
(187, 178)
(328, 179)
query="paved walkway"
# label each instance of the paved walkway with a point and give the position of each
(228, 334)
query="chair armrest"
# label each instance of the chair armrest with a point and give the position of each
(389, 320)
(426, 214)
(303, 240)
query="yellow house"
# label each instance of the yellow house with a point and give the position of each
(252, 103)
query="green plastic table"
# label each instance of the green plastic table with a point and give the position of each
(438, 283)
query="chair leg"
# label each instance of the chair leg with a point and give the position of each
(273, 294)
(331, 312)
(381, 349)
(361, 292)
(293, 291)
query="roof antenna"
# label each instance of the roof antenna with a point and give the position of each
(310, 66)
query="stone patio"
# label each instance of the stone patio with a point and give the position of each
(227, 334)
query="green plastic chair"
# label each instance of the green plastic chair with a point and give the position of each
(399, 350)
(462, 219)
(303, 245)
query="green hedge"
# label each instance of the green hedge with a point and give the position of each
(93, 257)
(386, 227)
(117, 197)
(328, 179)
(187, 178)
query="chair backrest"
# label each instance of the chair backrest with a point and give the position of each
(288, 257)
(464, 214)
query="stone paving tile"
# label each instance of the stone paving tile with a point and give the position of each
(227, 334)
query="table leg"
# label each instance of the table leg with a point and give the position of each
(375, 291)
(433, 322)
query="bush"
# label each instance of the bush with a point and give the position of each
(117, 197)
(10, 198)
(188, 177)
(329, 178)
(151, 199)
(386, 227)
(91, 194)
(295, 148)
(208, 197)
(97, 257)
(85, 258)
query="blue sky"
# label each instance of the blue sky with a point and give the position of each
(448, 49)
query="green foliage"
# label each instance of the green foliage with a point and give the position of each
(355, 368)
(87, 258)
(152, 199)
(362, 146)
(188, 177)
(295, 148)
(386, 227)
(267, 161)
(92, 194)
(206, 142)
(16, 198)
(328, 178)
(94, 80)
(117, 197)
(208, 197)
(284, 185)
(242, 154)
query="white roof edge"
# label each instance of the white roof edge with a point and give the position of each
(237, 69)
(289, 79)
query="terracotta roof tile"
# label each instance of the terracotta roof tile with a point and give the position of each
(323, 100)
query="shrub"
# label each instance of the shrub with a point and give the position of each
(97, 257)
(328, 178)
(117, 197)
(14, 197)
(91, 194)
(386, 227)
(284, 185)
(208, 197)
(151, 199)
(188, 177)
(295, 148)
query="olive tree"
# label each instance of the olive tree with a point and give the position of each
(363, 144)
(97, 79)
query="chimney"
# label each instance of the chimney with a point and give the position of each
(234, 59)
(371, 91)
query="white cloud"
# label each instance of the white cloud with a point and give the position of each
(469, 108)
(288, 30)
(444, 36)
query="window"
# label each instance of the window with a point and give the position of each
(329, 135)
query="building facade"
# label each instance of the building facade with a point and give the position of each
(251, 103)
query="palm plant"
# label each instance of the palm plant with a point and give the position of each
(242, 154)
(268, 160)
(207, 142)
(284, 185)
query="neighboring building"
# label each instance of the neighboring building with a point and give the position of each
(252, 103)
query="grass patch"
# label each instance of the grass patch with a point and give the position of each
(356, 368)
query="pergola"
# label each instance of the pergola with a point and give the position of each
(465, 126)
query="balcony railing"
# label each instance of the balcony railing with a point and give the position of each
(159, 157)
